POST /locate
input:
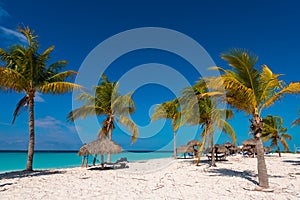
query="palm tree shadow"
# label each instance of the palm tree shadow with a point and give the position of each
(293, 162)
(246, 174)
(22, 174)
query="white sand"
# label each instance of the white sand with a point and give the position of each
(159, 179)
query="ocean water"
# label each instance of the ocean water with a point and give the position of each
(13, 161)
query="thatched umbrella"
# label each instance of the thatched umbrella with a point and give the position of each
(221, 149)
(228, 145)
(249, 146)
(267, 149)
(185, 149)
(83, 151)
(193, 143)
(249, 142)
(103, 146)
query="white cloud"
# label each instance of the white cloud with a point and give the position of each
(54, 125)
(38, 97)
(10, 34)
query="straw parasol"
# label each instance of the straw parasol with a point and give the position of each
(185, 149)
(228, 145)
(221, 149)
(83, 151)
(249, 142)
(193, 143)
(103, 146)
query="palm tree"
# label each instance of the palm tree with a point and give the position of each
(251, 90)
(274, 131)
(169, 110)
(26, 71)
(108, 102)
(198, 108)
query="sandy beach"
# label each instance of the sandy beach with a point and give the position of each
(159, 179)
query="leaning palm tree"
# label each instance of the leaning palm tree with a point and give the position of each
(169, 110)
(198, 108)
(26, 71)
(274, 131)
(108, 102)
(251, 90)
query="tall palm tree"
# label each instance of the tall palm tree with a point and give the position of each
(108, 102)
(26, 71)
(251, 90)
(198, 108)
(169, 110)
(274, 131)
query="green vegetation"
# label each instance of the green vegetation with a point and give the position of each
(108, 102)
(26, 71)
(169, 110)
(251, 89)
(274, 131)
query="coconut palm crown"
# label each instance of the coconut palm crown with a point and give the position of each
(251, 90)
(26, 71)
(169, 110)
(273, 130)
(108, 102)
(201, 109)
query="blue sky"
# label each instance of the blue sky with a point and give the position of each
(269, 29)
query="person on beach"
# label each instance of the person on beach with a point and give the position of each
(85, 158)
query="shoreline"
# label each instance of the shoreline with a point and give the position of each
(159, 179)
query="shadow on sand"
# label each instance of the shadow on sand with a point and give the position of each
(293, 162)
(246, 174)
(22, 174)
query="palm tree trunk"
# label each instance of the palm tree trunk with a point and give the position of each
(102, 161)
(257, 126)
(278, 149)
(200, 150)
(213, 157)
(174, 147)
(110, 138)
(31, 133)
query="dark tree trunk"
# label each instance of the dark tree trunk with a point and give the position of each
(31, 133)
(94, 160)
(278, 149)
(213, 157)
(257, 126)
(200, 150)
(102, 161)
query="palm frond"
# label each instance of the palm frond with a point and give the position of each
(228, 130)
(58, 77)
(84, 111)
(20, 105)
(11, 79)
(59, 87)
(127, 122)
(292, 88)
(296, 122)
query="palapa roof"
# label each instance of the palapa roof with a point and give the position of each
(103, 146)
(249, 142)
(193, 143)
(221, 149)
(185, 149)
(227, 145)
(83, 151)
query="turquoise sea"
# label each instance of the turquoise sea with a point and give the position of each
(13, 161)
